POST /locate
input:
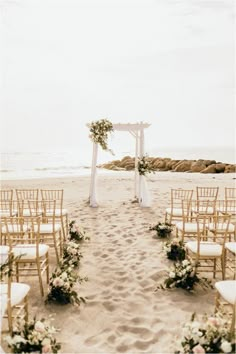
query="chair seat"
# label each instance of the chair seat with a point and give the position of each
(174, 212)
(58, 212)
(227, 290)
(27, 212)
(16, 228)
(202, 210)
(28, 251)
(231, 246)
(188, 227)
(18, 292)
(3, 254)
(210, 249)
(221, 227)
(48, 228)
(7, 213)
(228, 210)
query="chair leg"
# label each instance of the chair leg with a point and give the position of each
(17, 272)
(214, 269)
(63, 228)
(26, 308)
(232, 327)
(9, 318)
(47, 268)
(40, 277)
(217, 303)
(67, 225)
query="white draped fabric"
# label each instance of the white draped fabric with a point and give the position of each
(145, 197)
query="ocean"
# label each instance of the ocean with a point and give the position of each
(31, 165)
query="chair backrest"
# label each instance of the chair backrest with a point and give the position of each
(5, 207)
(177, 195)
(14, 231)
(186, 210)
(54, 195)
(230, 193)
(221, 228)
(6, 194)
(207, 193)
(25, 194)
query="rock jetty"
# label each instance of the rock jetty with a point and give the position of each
(167, 164)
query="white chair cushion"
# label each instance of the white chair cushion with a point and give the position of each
(220, 227)
(174, 211)
(18, 292)
(189, 227)
(58, 212)
(48, 228)
(231, 246)
(28, 251)
(15, 228)
(227, 289)
(3, 254)
(202, 210)
(26, 212)
(7, 213)
(206, 248)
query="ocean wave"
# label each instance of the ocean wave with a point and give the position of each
(58, 168)
(6, 171)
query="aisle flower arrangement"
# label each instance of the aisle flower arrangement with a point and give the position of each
(163, 229)
(183, 275)
(99, 132)
(35, 336)
(71, 254)
(209, 335)
(61, 286)
(175, 250)
(144, 166)
(76, 232)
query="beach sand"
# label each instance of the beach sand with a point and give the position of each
(124, 264)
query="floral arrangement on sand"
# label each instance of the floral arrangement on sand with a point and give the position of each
(175, 250)
(144, 166)
(99, 132)
(210, 335)
(71, 253)
(35, 336)
(183, 275)
(163, 229)
(76, 232)
(6, 266)
(61, 286)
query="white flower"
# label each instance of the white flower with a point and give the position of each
(46, 341)
(39, 326)
(58, 282)
(18, 339)
(198, 349)
(185, 262)
(226, 347)
(172, 275)
(64, 276)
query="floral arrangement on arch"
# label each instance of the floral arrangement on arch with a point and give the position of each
(61, 286)
(99, 132)
(144, 166)
(76, 232)
(35, 336)
(183, 275)
(210, 335)
(175, 250)
(163, 229)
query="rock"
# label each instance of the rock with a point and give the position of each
(183, 166)
(126, 161)
(208, 162)
(129, 166)
(172, 164)
(198, 166)
(230, 168)
(220, 167)
(209, 169)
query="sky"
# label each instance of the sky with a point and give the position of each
(66, 63)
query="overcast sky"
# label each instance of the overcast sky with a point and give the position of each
(68, 62)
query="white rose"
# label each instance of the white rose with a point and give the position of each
(46, 341)
(64, 276)
(58, 282)
(18, 339)
(39, 326)
(226, 347)
(185, 262)
(172, 275)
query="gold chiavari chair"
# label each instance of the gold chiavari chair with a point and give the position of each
(226, 297)
(32, 255)
(23, 195)
(6, 203)
(230, 193)
(208, 248)
(13, 296)
(174, 212)
(61, 214)
(50, 229)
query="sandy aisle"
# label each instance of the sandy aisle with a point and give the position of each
(124, 262)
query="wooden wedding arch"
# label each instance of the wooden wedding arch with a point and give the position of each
(137, 131)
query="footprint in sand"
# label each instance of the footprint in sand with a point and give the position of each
(109, 305)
